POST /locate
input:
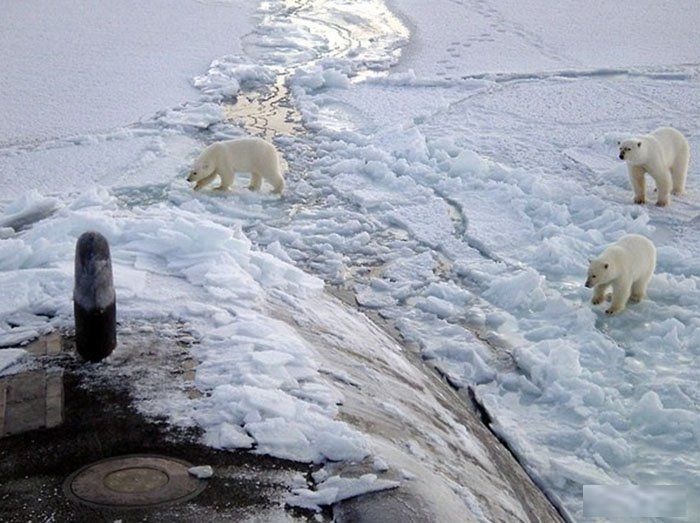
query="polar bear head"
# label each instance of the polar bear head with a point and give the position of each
(204, 166)
(634, 151)
(600, 271)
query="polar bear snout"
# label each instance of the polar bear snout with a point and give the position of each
(622, 155)
(589, 283)
(192, 175)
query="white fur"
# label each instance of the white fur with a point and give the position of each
(627, 265)
(226, 158)
(664, 154)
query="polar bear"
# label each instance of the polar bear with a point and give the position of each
(627, 265)
(664, 154)
(254, 155)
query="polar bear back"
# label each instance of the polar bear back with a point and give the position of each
(633, 253)
(252, 155)
(672, 143)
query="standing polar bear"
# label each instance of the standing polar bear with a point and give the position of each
(664, 154)
(226, 158)
(627, 265)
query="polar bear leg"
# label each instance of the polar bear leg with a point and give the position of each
(636, 175)
(278, 184)
(255, 182)
(204, 181)
(621, 294)
(226, 182)
(639, 291)
(599, 294)
(679, 170)
(663, 186)
(639, 288)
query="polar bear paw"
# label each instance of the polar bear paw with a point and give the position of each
(600, 299)
(614, 310)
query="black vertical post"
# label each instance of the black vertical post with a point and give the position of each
(94, 299)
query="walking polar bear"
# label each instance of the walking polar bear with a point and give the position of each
(627, 265)
(664, 154)
(226, 158)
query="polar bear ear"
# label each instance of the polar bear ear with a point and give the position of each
(639, 144)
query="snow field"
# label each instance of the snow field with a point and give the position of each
(116, 64)
(459, 197)
(261, 376)
(496, 245)
(275, 356)
(184, 259)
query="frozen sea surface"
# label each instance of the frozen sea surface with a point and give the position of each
(74, 67)
(459, 168)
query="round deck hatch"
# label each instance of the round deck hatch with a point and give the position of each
(134, 481)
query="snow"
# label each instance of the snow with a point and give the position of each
(10, 358)
(505, 182)
(79, 67)
(627, 501)
(379, 465)
(229, 74)
(512, 37)
(457, 197)
(227, 436)
(336, 489)
(202, 471)
(262, 376)
(30, 207)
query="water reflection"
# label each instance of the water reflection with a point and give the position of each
(33, 399)
(267, 113)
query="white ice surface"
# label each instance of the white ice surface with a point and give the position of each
(75, 66)
(262, 377)
(201, 471)
(499, 187)
(464, 38)
(336, 489)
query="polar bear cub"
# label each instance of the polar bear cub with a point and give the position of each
(627, 265)
(664, 154)
(224, 159)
